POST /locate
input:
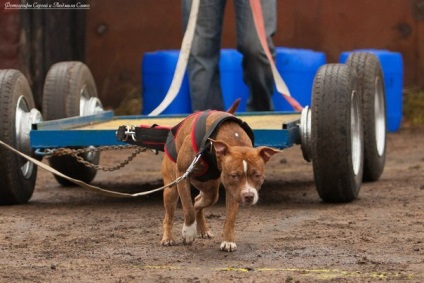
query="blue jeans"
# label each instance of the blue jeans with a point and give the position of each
(203, 64)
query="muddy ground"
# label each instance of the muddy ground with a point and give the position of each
(73, 235)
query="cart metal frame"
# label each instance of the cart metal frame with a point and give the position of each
(79, 131)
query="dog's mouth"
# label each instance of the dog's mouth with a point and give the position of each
(249, 198)
(244, 204)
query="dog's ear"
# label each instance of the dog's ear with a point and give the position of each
(233, 108)
(221, 148)
(266, 152)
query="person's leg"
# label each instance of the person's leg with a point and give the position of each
(203, 64)
(257, 72)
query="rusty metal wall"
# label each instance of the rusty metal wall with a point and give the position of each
(118, 33)
(333, 26)
(9, 37)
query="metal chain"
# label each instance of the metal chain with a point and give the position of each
(76, 153)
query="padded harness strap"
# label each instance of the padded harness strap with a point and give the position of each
(163, 139)
(152, 137)
(201, 144)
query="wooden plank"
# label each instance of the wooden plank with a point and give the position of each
(274, 121)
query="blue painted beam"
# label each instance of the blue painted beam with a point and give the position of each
(61, 133)
(73, 138)
(73, 122)
(84, 138)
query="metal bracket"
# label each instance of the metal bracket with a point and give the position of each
(124, 132)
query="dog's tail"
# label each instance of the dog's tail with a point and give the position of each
(233, 108)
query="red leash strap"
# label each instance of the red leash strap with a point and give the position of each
(260, 29)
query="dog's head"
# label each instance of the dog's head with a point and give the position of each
(242, 170)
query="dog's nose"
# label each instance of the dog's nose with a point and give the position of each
(248, 197)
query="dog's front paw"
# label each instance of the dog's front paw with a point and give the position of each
(228, 246)
(205, 235)
(189, 233)
(168, 242)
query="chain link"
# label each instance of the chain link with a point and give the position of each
(76, 153)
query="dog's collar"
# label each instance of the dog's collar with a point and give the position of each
(200, 141)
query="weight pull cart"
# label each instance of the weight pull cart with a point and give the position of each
(343, 133)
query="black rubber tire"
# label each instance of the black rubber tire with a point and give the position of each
(61, 99)
(336, 179)
(370, 83)
(16, 187)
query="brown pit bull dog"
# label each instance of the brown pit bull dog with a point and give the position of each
(228, 158)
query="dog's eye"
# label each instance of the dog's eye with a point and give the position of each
(235, 176)
(257, 176)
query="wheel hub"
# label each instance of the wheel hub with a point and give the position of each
(305, 133)
(24, 119)
(355, 133)
(89, 105)
(380, 117)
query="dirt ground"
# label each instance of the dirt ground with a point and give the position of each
(73, 235)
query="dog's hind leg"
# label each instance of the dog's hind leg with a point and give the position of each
(170, 200)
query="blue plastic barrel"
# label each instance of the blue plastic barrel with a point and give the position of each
(158, 69)
(298, 68)
(392, 65)
(232, 84)
(157, 72)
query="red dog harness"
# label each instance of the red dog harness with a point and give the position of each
(200, 141)
(163, 139)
